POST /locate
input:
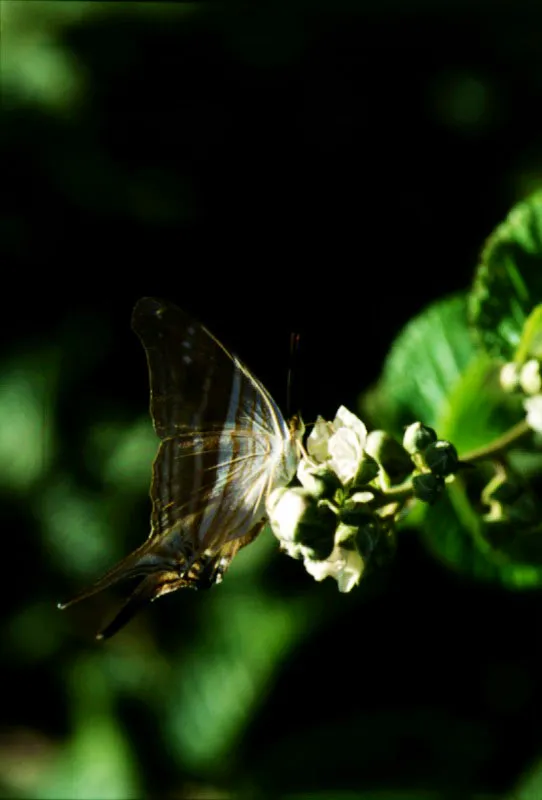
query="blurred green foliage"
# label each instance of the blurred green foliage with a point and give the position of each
(423, 683)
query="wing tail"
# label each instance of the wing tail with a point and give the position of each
(146, 560)
(150, 588)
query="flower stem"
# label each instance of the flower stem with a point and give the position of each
(499, 445)
(493, 450)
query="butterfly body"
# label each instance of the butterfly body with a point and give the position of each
(224, 446)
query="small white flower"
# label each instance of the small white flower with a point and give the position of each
(533, 407)
(340, 443)
(345, 566)
(318, 439)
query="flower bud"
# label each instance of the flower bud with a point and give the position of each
(319, 480)
(509, 377)
(367, 470)
(301, 523)
(355, 510)
(530, 377)
(418, 437)
(441, 458)
(391, 456)
(427, 487)
(367, 538)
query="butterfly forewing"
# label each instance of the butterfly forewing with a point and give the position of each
(219, 427)
(196, 385)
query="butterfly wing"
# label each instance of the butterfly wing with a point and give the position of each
(222, 434)
(224, 445)
(196, 384)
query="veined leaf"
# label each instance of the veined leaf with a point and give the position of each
(508, 281)
(426, 361)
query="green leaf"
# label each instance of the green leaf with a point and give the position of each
(478, 412)
(435, 374)
(453, 532)
(508, 280)
(530, 345)
(426, 361)
(530, 785)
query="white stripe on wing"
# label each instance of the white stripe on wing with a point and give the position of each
(224, 460)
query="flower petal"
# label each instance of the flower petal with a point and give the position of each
(533, 407)
(345, 419)
(345, 453)
(317, 441)
(345, 566)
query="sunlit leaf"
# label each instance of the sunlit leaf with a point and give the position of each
(530, 345)
(508, 282)
(435, 374)
(477, 410)
(424, 364)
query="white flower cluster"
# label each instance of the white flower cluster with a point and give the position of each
(526, 378)
(307, 525)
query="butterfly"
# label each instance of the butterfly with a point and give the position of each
(224, 446)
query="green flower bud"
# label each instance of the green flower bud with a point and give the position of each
(509, 377)
(441, 458)
(427, 487)
(391, 456)
(345, 536)
(367, 470)
(367, 538)
(355, 510)
(320, 480)
(530, 377)
(418, 437)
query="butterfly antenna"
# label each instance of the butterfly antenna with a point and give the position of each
(295, 339)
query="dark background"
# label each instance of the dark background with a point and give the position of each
(321, 168)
